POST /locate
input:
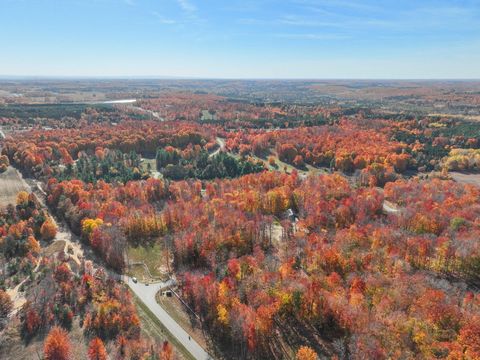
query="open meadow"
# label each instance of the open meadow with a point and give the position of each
(10, 184)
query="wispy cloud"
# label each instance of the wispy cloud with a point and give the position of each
(187, 6)
(320, 5)
(190, 12)
(163, 20)
(130, 2)
(406, 19)
(304, 21)
(313, 36)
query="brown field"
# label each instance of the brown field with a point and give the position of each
(458, 116)
(10, 184)
(473, 179)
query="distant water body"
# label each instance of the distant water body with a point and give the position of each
(125, 101)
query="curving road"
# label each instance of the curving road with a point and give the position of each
(390, 208)
(147, 295)
(221, 147)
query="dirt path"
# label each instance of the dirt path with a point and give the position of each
(390, 207)
(277, 240)
(14, 293)
(73, 247)
(63, 232)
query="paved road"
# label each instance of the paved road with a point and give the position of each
(147, 295)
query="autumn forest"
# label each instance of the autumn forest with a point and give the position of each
(285, 229)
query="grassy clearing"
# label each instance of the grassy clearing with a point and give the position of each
(154, 257)
(139, 272)
(146, 162)
(153, 168)
(458, 116)
(284, 167)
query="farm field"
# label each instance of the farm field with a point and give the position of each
(10, 185)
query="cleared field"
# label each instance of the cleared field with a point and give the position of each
(473, 179)
(458, 116)
(146, 162)
(153, 168)
(148, 263)
(10, 184)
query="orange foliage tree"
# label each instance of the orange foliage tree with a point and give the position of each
(48, 230)
(6, 304)
(306, 353)
(96, 350)
(57, 345)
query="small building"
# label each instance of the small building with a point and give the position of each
(167, 293)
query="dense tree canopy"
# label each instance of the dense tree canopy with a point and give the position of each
(366, 263)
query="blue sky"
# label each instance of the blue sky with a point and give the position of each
(241, 38)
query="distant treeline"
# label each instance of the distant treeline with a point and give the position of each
(280, 122)
(51, 111)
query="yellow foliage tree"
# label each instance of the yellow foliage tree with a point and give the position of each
(222, 314)
(89, 225)
(4, 162)
(22, 198)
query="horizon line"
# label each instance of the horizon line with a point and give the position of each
(163, 77)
